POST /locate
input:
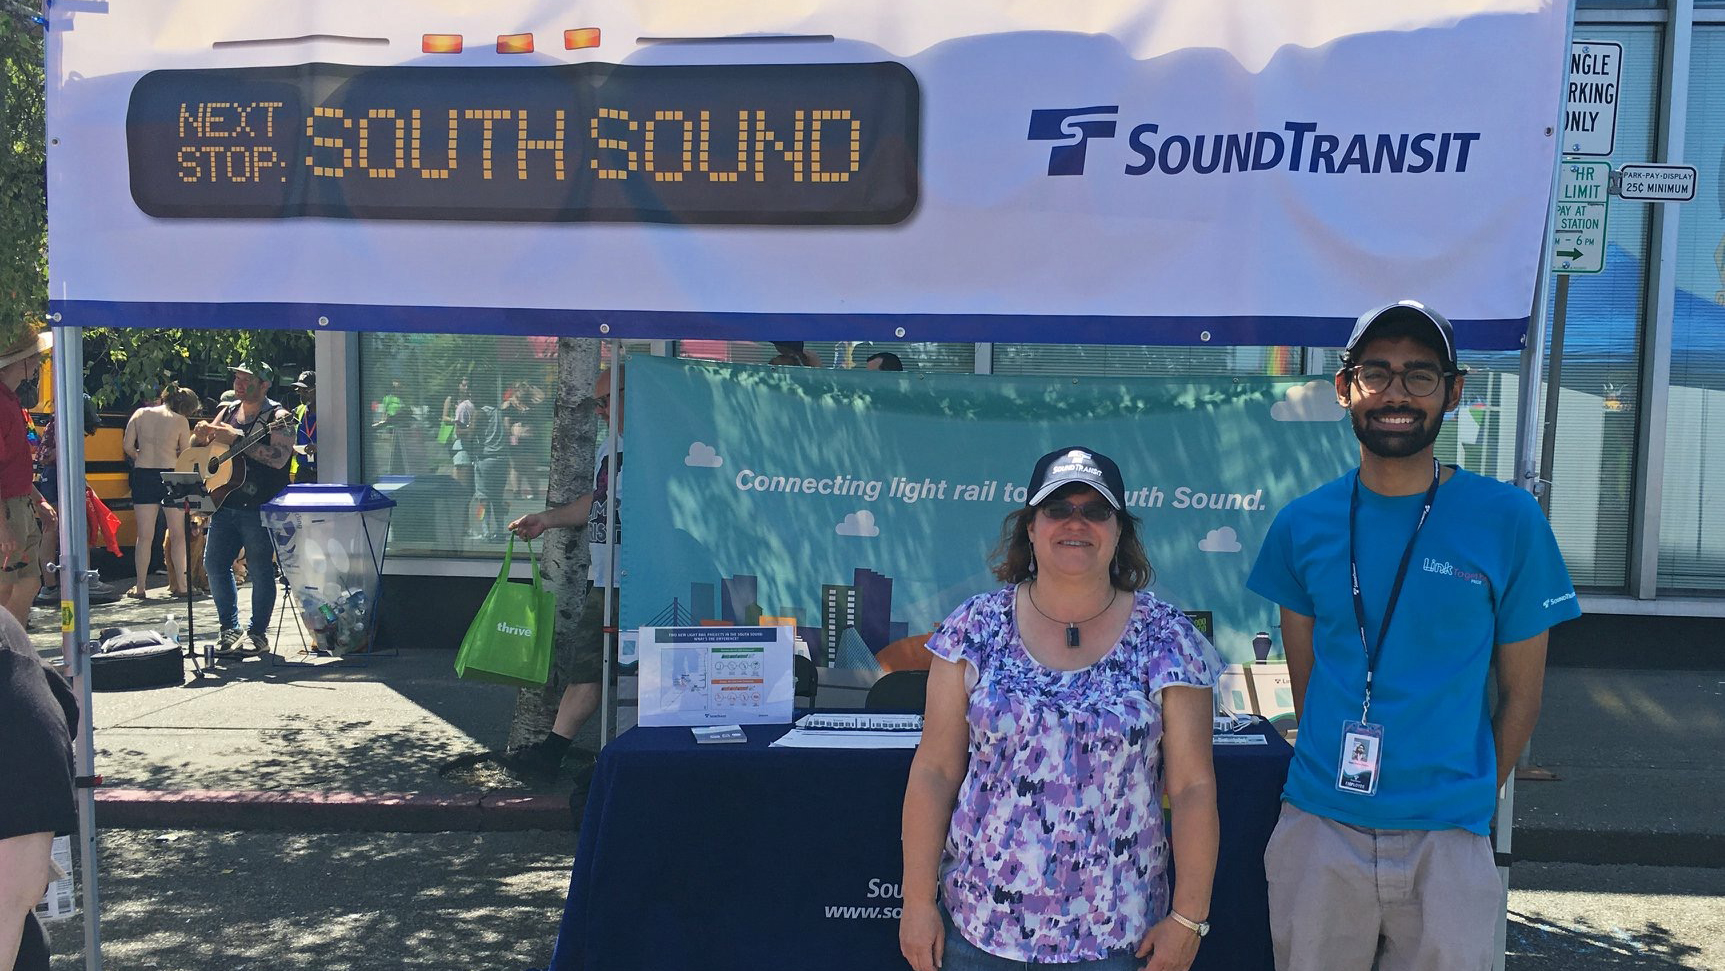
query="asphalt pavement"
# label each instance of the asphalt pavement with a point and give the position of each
(221, 900)
(217, 900)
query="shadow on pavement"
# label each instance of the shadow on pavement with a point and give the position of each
(1540, 944)
(217, 901)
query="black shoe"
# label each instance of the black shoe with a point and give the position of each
(231, 643)
(48, 597)
(533, 762)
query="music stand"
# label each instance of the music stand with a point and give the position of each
(185, 490)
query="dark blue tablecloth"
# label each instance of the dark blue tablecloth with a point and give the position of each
(744, 857)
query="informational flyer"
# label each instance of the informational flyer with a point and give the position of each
(715, 675)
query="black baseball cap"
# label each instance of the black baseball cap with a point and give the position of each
(307, 380)
(1075, 463)
(1405, 312)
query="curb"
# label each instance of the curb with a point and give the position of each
(396, 812)
(1618, 848)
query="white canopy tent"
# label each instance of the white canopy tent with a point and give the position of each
(960, 172)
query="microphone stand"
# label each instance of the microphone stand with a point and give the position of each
(191, 639)
(190, 495)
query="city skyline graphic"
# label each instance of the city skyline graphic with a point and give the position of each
(855, 620)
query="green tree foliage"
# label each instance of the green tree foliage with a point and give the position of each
(23, 205)
(123, 366)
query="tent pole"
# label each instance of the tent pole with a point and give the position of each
(1553, 386)
(68, 362)
(607, 720)
(1526, 449)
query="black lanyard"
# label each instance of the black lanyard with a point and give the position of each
(1395, 588)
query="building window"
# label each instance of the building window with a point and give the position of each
(1141, 360)
(926, 356)
(1592, 481)
(456, 491)
(1692, 518)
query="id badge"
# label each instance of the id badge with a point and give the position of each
(1362, 752)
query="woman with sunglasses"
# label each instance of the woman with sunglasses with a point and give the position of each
(1061, 709)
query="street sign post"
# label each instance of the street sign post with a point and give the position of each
(1590, 108)
(1650, 182)
(1578, 237)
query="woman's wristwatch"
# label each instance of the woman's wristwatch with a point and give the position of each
(1198, 927)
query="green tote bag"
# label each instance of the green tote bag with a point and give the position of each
(509, 641)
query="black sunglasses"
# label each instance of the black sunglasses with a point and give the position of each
(1060, 509)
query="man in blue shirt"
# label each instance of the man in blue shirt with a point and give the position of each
(1403, 587)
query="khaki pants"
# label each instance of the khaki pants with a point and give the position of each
(21, 519)
(1345, 898)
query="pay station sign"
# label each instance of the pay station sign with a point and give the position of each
(1590, 108)
(1649, 182)
(1578, 237)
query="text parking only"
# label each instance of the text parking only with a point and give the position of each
(1578, 238)
(1590, 107)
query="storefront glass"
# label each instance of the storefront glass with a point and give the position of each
(1692, 519)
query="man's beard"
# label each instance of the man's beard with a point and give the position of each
(1396, 445)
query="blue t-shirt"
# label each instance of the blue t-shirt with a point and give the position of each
(1485, 571)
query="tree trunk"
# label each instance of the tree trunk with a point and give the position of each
(564, 559)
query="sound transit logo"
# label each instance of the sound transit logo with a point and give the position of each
(1074, 127)
(1302, 147)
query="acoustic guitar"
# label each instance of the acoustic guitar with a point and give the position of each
(222, 474)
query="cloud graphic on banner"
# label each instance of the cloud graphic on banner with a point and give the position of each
(1222, 540)
(1312, 401)
(703, 456)
(859, 523)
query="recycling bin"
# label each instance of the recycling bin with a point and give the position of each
(329, 541)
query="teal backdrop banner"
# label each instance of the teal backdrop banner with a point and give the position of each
(861, 506)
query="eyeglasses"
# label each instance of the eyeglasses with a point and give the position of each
(1420, 382)
(1060, 509)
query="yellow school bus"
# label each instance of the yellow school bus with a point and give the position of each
(105, 467)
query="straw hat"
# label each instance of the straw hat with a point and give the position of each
(26, 346)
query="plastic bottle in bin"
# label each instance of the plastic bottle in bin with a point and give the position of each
(308, 609)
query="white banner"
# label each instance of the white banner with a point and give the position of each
(1183, 172)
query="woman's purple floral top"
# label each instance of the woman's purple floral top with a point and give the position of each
(1057, 850)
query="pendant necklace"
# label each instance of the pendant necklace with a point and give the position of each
(1071, 625)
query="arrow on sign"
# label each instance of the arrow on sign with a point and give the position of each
(1573, 254)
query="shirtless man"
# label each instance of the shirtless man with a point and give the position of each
(155, 437)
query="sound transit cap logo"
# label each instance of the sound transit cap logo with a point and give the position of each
(1070, 125)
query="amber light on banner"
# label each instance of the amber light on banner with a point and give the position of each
(574, 40)
(514, 43)
(441, 44)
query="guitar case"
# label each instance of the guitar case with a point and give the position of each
(126, 660)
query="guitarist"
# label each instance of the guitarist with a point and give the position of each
(238, 524)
